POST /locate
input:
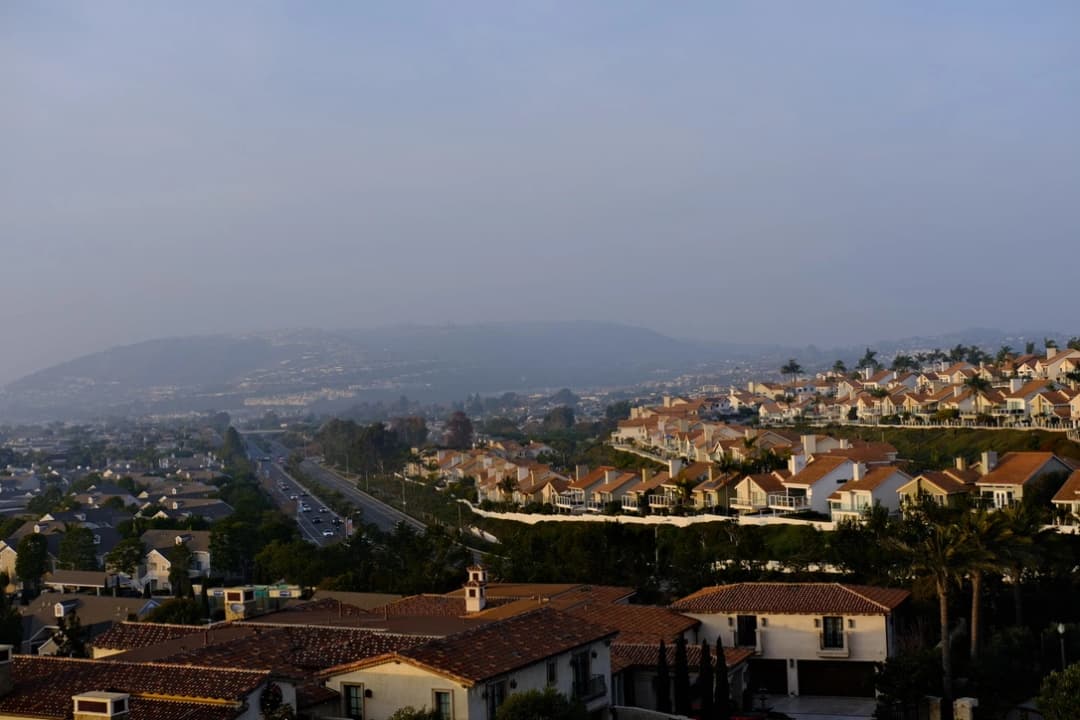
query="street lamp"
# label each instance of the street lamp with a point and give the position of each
(1061, 636)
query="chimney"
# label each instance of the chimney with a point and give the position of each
(667, 401)
(674, 466)
(476, 589)
(796, 464)
(646, 475)
(99, 705)
(809, 444)
(858, 471)
(989, 461)
(1051, 352)
(957, 389)
(610, 475)
(1015, 384)
(6, 682)
(581, 471)
(961, 463)
(845, 444)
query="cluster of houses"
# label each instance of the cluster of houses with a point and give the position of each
(706, 471)
(1027, 390)
(463, 654)
(183, 495)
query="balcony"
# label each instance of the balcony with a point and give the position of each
(841, 650)
(570, 501)
(758, 640)
(631, 503)
(753, 502)
(663, 501)
(783, 501)
(591, 689)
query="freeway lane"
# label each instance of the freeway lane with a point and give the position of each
(313, 524)
(375, 511)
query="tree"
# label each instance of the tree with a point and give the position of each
(560, 418)
(663, 682)
(1029, 348)
(32, 561)
(792, 368)
(839, 367)
(722, 696)
(618, 411)
(1059, 697)
(1074, 343)
(459, 431)
(1050, 343)
(178, 611)
(547, 704)
(903, 363)
(682, 678)
(76, 551)
(937, 547)
(1004, 353)
(1022, 520)
(869, 360)
(180, 557)
(126, 556)
(986, 533)
(705, 681)
(11, 622)
(70, 637)
(411, 431)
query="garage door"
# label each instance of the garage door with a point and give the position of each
(770, 675)
(836, 677)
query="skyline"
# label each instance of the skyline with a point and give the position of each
(829, 175)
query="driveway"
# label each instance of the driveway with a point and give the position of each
(810, 707)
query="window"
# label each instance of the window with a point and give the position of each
(580, 667)
(832, 633)
(496, 693)
(353, 697)
(552, 672)
(746, 631)
(443, 704)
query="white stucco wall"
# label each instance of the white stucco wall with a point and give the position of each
(795, 637)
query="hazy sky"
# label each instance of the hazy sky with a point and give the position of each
(763, 171)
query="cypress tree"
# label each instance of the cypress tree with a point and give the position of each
(705, 681)
(682, 678)
(722, 699)
(663, 684)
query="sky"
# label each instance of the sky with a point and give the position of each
(783, 172)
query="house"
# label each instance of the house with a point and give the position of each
(574, 497)
(96, 614)
(160, 545)
(611, 494)
(945, 487)
(634, 675)
(469, 675)
(810, 485)
(1066, 501)
(751, 494)
(867, 489)
(48, 688)
(1006, 481)
(807, 638)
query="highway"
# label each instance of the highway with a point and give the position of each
(291, 496)
(375, 511)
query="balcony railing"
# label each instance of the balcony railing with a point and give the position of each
(631, 503)
(594, 687)
(663, 501)
(753, 502)
(783, 501)
(853, 508)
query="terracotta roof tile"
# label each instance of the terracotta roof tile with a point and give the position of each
(496, 648)
(1017, 468)
(793, 598)
(1070, 491)
(637, 623)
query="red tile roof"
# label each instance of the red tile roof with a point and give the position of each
(816, 469)
(1070, 491)
(494, 649)
(793, 598)
(44, 686)
(132, 635)
(637, 623)
(1017, 468)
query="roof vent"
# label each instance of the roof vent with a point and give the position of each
(97, 705)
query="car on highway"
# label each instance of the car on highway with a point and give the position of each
(316, 521)
(293, 497)
(323, 510)
(328, 533)
(336, 521)
(305, 508)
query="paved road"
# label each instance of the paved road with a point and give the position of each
(375, 511)
(291, 497)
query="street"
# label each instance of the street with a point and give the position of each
(375, 511)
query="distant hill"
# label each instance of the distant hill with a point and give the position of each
(424, 362)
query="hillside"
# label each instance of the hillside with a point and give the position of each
(423, 362)
(937, 448)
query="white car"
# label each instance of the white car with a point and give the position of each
(328, 533)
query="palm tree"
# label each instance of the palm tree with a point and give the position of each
(1025, 524)
(989, 539)
(1003, 354)
(839, 367)
(792, 368)
(937, 547)
(978, 385)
